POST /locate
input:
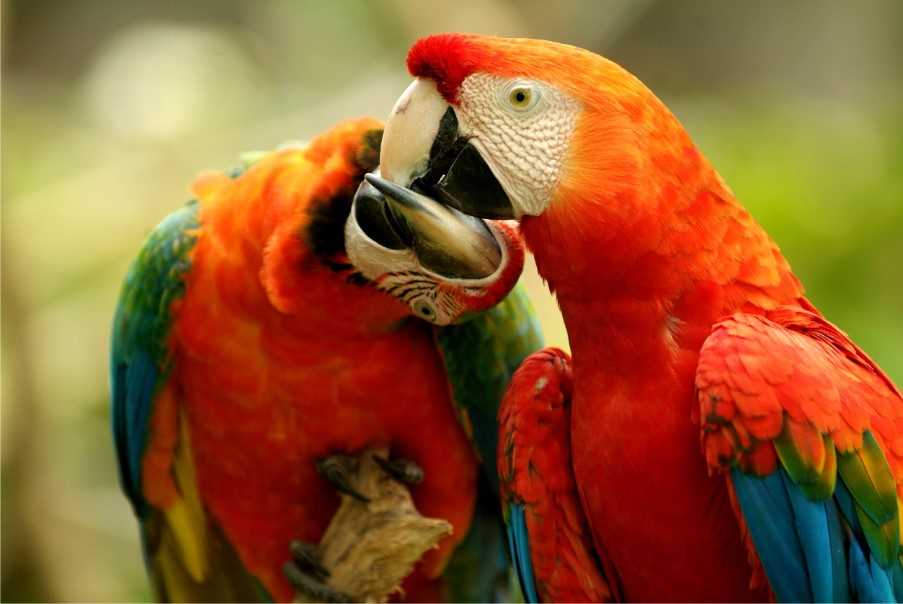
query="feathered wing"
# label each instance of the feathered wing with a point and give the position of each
(538, 489)
(480, 356)
(152, 445)
(811, 431)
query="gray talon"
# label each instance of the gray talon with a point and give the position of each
(312, 586)
(337, 469)
(402, 470)
(307, 558)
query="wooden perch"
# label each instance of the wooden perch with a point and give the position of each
(368, 548)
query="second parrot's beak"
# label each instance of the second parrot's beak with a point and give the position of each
(425, 151)
(444, 240)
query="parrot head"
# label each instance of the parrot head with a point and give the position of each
(555, 136)
(444, 266)
(442, 263)
(330, 251)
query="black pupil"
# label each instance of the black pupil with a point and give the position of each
(520, 96)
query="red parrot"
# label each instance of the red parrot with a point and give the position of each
(725, 442)
(251, 354)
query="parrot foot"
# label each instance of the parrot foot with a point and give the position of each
(403, 470)
(308, 576)
(338, 470)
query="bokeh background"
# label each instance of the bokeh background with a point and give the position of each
(110, 108)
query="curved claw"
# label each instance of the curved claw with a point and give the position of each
(402, 470)
(307, 558)
(337, 469)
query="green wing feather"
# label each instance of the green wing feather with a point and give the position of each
(139, 357)
(480, 357)
(868, 477)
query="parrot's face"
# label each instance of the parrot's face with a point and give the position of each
(445, 265)
(497, 153)
(502, 128)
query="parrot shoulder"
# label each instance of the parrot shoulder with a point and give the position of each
(809, 429)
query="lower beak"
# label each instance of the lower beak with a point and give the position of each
(444, 240)
(470, 186)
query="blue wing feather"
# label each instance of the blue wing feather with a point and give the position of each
(812, 550)
(868, 581)
(769, 515)
(897, 581)
(841, 584)
(812, 525)
(519, 545)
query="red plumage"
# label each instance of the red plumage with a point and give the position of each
(648, 250)
(445, 59)
(535, 471)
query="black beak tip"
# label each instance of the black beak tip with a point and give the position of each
(386, 187)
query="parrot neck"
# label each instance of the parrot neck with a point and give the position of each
(643, 274)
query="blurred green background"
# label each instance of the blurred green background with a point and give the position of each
(110, 109)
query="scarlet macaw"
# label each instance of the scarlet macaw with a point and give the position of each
(246, 348)
(685, 323)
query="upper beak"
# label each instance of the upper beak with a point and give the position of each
(424, 150)
(444, 240)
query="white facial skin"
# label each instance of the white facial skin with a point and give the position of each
(521, 128)
(400, 274)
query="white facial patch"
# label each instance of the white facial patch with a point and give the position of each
(522, 129)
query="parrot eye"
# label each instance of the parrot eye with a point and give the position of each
(424, 309)
(522, 96)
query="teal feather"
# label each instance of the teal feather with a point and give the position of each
(814, 550)
(868, 581)
(519, 545)
(813, 525)
(766, 507)
(838, 549)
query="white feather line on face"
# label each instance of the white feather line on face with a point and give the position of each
(399, 273)
(524, 149)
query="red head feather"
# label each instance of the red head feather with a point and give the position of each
(446, 59)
